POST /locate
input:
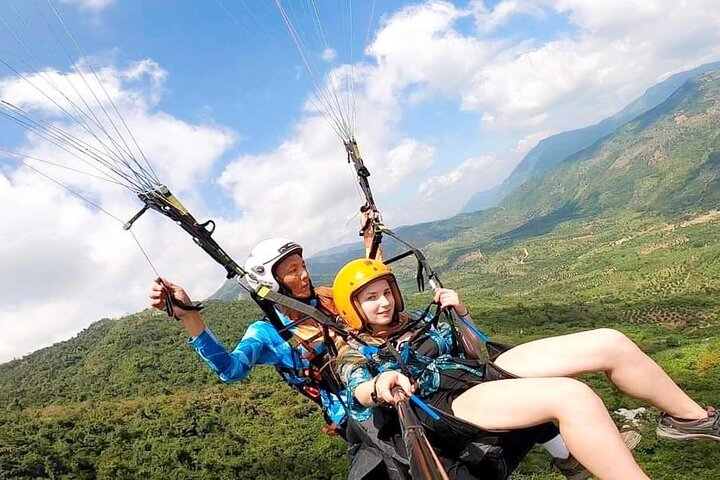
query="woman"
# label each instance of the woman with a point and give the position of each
(368, 299)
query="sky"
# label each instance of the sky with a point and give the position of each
(447, 99)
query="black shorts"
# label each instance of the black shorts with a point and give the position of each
(453, 383)
(468, 451)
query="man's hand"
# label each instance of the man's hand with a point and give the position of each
(366, 220)
(159, 292)
(191, 320)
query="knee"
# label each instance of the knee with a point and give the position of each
(575, 397)
(579, 404)
(614, 344)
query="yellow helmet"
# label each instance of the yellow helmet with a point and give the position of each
(351, 278)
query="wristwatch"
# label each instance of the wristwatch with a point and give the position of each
(373, 394)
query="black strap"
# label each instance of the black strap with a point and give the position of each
(403, 366)
(454, 335)
(432, 323)
(163, 201)
(362, 172)
(272, 316)
(311, 312)
(172, 301)
(423, 265)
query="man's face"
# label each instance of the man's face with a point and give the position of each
(292, 273)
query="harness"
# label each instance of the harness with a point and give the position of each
(424, 328)
(317, 378)
(488, 454)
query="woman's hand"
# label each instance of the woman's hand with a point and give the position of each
(450, 299)
(386, 381)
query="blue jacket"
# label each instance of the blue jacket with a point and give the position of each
(262, 345)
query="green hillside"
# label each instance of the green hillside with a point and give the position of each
(550, 151)
(127, 399)
(626, 235)
(666, 160)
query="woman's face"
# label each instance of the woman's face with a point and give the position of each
(377, 302)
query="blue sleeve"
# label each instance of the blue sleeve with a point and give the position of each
(258, 346)
(353, 375)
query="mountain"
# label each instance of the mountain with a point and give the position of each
(230, 290)
(553, 150)
(665, 160)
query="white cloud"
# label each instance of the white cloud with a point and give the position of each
(617, 51)
(619, 15)
(524, 145)
(489, 20)
(620, 49)
(65, 264)
(409, 158)
(438, 195)
(419, 47)
(329, 55)
(89, 4)
(304, 190)
(469, 171)
(532, 82)
(62, 94)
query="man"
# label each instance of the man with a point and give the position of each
(278, 264)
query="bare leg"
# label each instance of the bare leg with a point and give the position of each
(602, 350)
(584, 421)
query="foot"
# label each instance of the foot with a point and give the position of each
(676, 429)
(574, 470)
(571, 468)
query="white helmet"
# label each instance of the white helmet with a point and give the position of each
(261, 262)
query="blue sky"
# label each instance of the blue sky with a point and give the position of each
(450, 97)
